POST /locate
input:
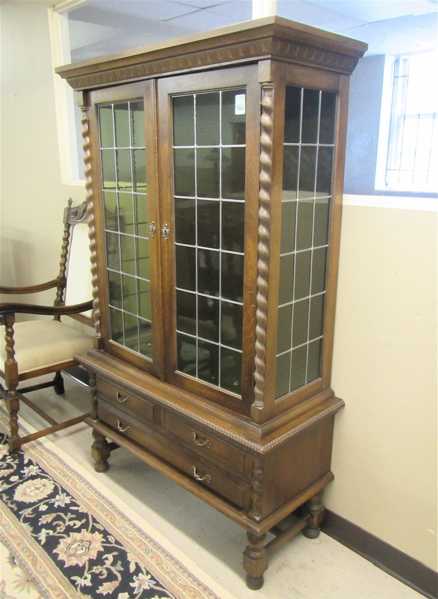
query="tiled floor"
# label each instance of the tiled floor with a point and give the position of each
(207, 542)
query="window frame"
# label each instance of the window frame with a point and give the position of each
(69, 150)
(384, 133)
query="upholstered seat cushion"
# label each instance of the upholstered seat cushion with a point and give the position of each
(40, 343)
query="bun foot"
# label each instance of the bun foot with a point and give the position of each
(254, 582)
(101, 466)
(311, 533)
(100, 452)
(315, 516)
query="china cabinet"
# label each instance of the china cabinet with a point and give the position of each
(214, 170)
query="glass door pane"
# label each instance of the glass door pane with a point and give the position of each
(126, 222)
(309, 147)
(209, 137)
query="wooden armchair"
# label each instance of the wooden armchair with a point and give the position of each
(40, 346)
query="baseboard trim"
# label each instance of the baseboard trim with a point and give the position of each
(393, 561)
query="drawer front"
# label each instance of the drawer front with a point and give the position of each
(205, 444)
(124, 400)
(205, 473)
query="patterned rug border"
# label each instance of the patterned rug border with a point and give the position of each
(136, 540)
(39, 557)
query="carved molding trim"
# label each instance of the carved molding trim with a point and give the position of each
(158, 62)
(149, 65)
(257, 448)
(256, 506)
(263, 242)
(313, 56)
(89, 203)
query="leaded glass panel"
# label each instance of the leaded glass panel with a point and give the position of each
(125, 199)
(209, 135)
(307, 173)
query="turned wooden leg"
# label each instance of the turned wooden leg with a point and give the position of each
(255, 560)
(13, 407)
(11, 382)
(58, 384)
(316, 513)
(100, 451)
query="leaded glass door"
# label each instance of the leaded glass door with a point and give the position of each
(306, 202)
(128, 215)
(208, 206)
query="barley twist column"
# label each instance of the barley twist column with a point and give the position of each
(86, 145)
(60, 290)
(264, 236)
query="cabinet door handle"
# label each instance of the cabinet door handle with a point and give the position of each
(122, 398)
(202, 478)
(200, 441)
(121, 428)
(152, 228)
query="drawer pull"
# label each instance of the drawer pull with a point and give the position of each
(122, 398)
(200, 441)
(206, 478)
(121, 428)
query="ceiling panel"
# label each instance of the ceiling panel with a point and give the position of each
(311, 13)
(155, 10)
(376, 10)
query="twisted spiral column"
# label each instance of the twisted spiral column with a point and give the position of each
(89, 198)
(11, 380)
(60, 290)
(264, 236)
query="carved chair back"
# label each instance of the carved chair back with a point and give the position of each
(73, 215)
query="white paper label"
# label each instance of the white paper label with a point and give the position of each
(239, 104)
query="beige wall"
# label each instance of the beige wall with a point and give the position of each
(32, 195)
(385, 367)
(385, 349)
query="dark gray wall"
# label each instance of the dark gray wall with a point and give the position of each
(363, 125)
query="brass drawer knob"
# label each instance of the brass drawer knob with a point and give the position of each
(200, 441)
(122, 398)
(121, 427)
(202, 478)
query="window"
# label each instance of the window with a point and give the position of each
(408, 152)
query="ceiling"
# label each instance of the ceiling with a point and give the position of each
(104, 26)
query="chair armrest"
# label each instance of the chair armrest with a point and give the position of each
(30, 288)
(44, 310)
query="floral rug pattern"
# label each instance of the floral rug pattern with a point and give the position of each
(78, 547)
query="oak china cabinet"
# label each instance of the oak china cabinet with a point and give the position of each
(214, 170)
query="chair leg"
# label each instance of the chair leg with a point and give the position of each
(13, 405)
(58, 384)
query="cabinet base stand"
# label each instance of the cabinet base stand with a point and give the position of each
(306, 519)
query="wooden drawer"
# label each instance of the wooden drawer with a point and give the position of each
(124, 400)
(201, 470)
(205, 444)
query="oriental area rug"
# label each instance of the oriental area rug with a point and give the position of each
(60, 538)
